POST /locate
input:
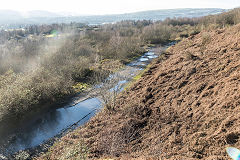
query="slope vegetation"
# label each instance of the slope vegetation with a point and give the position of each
(186, 106)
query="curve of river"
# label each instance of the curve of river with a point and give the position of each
(53, 122)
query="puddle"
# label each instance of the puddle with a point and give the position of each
(51, 123)
(143, 59)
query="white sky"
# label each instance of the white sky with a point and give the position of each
(112, 6)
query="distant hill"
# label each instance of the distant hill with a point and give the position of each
(9, 15)
(13, 18)
(39, 13)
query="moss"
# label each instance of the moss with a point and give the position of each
(137, 77)
(79, 87)
(151, 45)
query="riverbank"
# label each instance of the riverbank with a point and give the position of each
(183, 107)
(105, 91)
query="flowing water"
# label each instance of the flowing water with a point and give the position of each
(51, 123)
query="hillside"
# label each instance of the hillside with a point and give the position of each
(15, 19)
(184, 107)
(154, 15)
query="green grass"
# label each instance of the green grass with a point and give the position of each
(137, 77)
(80, 87)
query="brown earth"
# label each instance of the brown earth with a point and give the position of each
(186, 106)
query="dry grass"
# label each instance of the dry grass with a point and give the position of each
(35, 69)
(182, 108)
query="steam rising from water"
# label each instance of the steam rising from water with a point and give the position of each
(28, 54)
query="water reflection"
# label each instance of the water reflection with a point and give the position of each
(51, 124)
(143, 59)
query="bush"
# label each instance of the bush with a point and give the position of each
(37, 70)
(157, 33)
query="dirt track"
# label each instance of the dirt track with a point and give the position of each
(185, 107)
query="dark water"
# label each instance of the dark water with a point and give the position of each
(51, 123)
(54, 122)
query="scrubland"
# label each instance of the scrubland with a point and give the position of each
(185, 106)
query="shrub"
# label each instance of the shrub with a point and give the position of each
(157, 33)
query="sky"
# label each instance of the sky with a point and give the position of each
(96, 7)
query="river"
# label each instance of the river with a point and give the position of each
(57, 121)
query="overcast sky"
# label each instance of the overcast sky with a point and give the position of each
(112, 6)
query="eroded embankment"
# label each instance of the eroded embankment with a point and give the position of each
(185, 107)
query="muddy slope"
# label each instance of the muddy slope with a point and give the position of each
(185, 107)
